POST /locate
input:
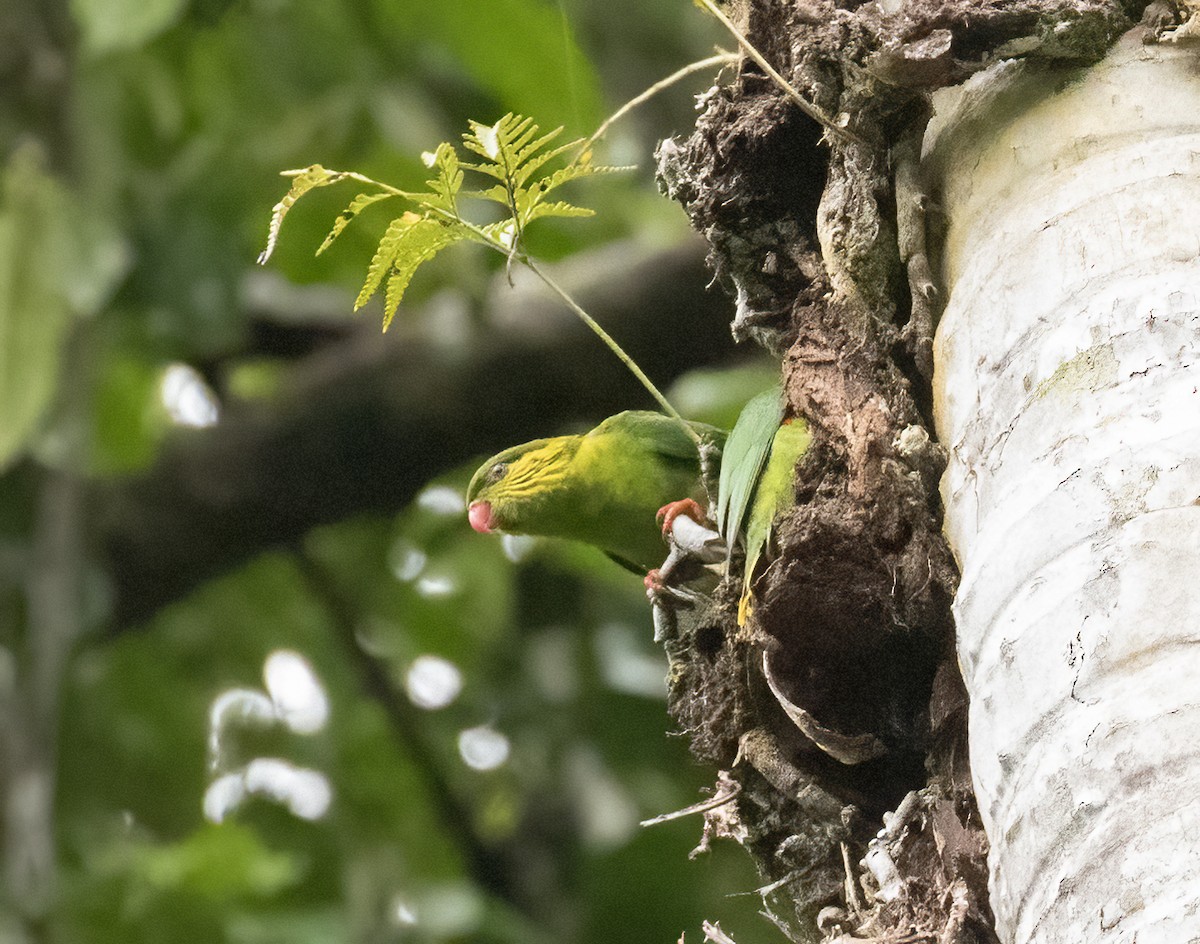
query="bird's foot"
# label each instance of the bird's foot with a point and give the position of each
(667, 514)
(657, 586)
(693, 547)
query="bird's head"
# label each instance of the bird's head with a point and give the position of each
(509, 490)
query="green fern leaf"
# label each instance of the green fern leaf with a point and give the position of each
(357, 205)
(514, 154)
(527, 159)
(559, 208)
(519, 136)
(492, 170)
(385, 255)
(497, 194)
(444, 187)
(509, 148)
(502, 232)
(529, 167)
(573, 172)
(512, 151)
(305, 180)
(410, 240)
(497, 143)
(419, 243)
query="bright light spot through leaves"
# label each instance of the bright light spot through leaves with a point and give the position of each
(300, 701)
(187, 398)
(306, 793)
(297, 701)
(436, 586)
(406, 560)
(243, 706)
(517, 546)
(432, 682)
(443, 911)
(403, 914)
(483, 748)
(626, 666)
(442, 500)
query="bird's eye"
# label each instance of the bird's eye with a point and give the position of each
(496, 472)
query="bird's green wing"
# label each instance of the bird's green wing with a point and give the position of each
(659, 432)
(742, 462)
(773, 495)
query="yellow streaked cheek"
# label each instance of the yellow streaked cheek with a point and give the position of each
(536, 471)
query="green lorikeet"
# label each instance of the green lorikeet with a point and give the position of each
(756, 485)
(603, 487)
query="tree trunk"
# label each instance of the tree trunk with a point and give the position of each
(1064, 236)
(1066, 392)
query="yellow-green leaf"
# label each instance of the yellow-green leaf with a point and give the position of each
(357, 205)
(559, 208)
(304, 181)
(410, 240)
(418, 244)
(385, 255)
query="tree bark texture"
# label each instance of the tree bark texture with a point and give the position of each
(1067, 396)
(821, 235)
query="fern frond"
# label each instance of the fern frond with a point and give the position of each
(510, 148)
(385, 255)
(531, 166)
(525, 152)
(419, 246)
(499, 142)
(514, 154)
(447, 182)
(512, 151)
(496, 194)
(561, 208)
(574, 172)
(502, 233)
(410, 240)
(304, 180)
(492, 170)
(357, 205)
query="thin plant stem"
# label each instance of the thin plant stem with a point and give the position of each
(722, 58)
(804, 104)
(614, 347)
(509, 253)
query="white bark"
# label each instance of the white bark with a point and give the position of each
(1068, 370)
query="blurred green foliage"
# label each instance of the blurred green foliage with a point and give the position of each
(137, 170)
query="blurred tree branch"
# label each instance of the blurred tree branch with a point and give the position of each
(368, 421)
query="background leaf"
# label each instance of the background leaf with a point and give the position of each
(37, 255)
(111, 25)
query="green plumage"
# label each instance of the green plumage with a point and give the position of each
(743, 459)
(757, 472)
(603, 487)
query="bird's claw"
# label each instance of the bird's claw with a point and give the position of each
(667, 514)
(656, 581)
(657, 588)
